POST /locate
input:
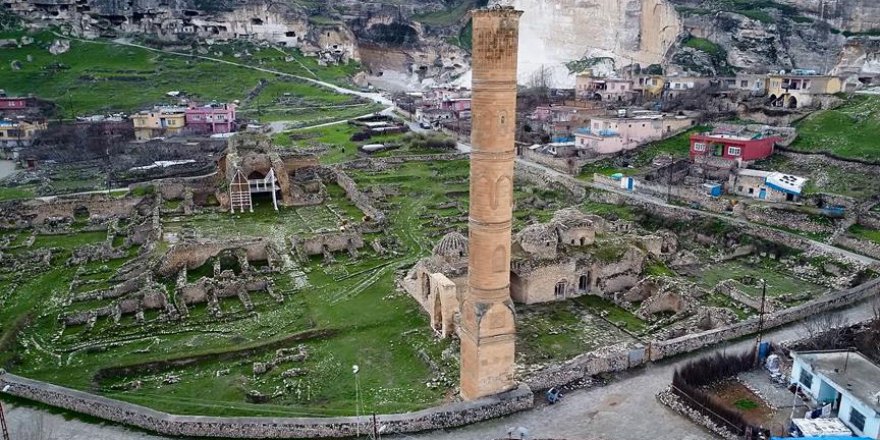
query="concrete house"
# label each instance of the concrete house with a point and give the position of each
(766, 185)
(740, 146)
(15, 133)
(157, 122)
(211, 118)
(609, 135)
(846, 380)
(593, 88)
(800, 89)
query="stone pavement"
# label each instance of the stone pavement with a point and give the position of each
(626, 409)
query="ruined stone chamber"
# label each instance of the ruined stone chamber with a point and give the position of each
(487, 314)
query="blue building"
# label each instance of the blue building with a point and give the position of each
(848, 381)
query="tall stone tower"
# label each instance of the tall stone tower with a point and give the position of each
(487, 316)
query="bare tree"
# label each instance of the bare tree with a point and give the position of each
(540, 84)
(825, 331)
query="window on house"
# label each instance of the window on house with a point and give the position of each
(857, 419)
(734, 151)
(744, 83)
(751, 190)
(699, 146)
(740, 189)
(806, 378)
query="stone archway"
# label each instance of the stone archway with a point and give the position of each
(792, 102)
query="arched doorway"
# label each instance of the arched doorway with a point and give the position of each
(597, 97)
(584, 283)
(792, 102)
(559, 291)
(772, 100)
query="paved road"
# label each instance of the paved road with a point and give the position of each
(623, 410)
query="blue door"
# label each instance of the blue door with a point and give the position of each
(630, 183)
(763, 194)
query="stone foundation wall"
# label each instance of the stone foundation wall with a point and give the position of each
(361, 200)
(568, 165)
(684, 344)
(863, 247)
(442, 417)
(545, 180)
(609, 359)
(870, 220)
(788, 218)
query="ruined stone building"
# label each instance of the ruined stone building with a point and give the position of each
(252, 166)
(569, 256)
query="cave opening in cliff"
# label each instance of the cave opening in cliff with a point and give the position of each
(290, 34)
(256, 21)
(190, 12)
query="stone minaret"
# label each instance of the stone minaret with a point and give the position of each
(487, 315)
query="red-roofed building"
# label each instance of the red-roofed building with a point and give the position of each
(733, 147)
(15, 103)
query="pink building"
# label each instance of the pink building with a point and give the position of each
(609, 135)
(211, 118)
(14, 103)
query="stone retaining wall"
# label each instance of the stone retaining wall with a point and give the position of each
(442, 417)
(863, 247)
(545, 180)
(606, 360)
(870, 220)
(684, 344)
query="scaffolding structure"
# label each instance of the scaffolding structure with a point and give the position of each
(242, 189)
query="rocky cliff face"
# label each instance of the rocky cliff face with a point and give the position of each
(846, 15)
(419, 42)
(559, 31)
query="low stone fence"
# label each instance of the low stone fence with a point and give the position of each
(442, 417)
(684, 344)
(863, 247)
(568, 165)
(376, 162)
(361, 200)
(537, 176)
(609, 359)
(870, 220)
(728, 288)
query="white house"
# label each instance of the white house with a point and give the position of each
(845, 379)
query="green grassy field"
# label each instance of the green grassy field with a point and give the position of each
(99, 77)
(849, 131)
(865, 233)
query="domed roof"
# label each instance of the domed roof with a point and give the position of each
(453, 245)
(572, 218)
(538, 235)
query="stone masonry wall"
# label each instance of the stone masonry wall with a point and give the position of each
(442, 417)
(863, 247)
(684, 344)
(535, 175)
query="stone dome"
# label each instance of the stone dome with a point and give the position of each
(572, 218)
(452, 245)
(538, 235)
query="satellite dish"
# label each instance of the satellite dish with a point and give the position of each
(355, 369)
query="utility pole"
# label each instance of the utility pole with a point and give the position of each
(761, 319)
(375, 427)
(3, 428)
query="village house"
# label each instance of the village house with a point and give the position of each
(766, 185)
(13, 103)
(800, 88)
(736, 144)
(17, 133)
(845, 383)
(609, 135)
(159, 121)
(589, 87)
(211, 118)
(460, 107)
(678, 86)
(560, 121)
(648, 86)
